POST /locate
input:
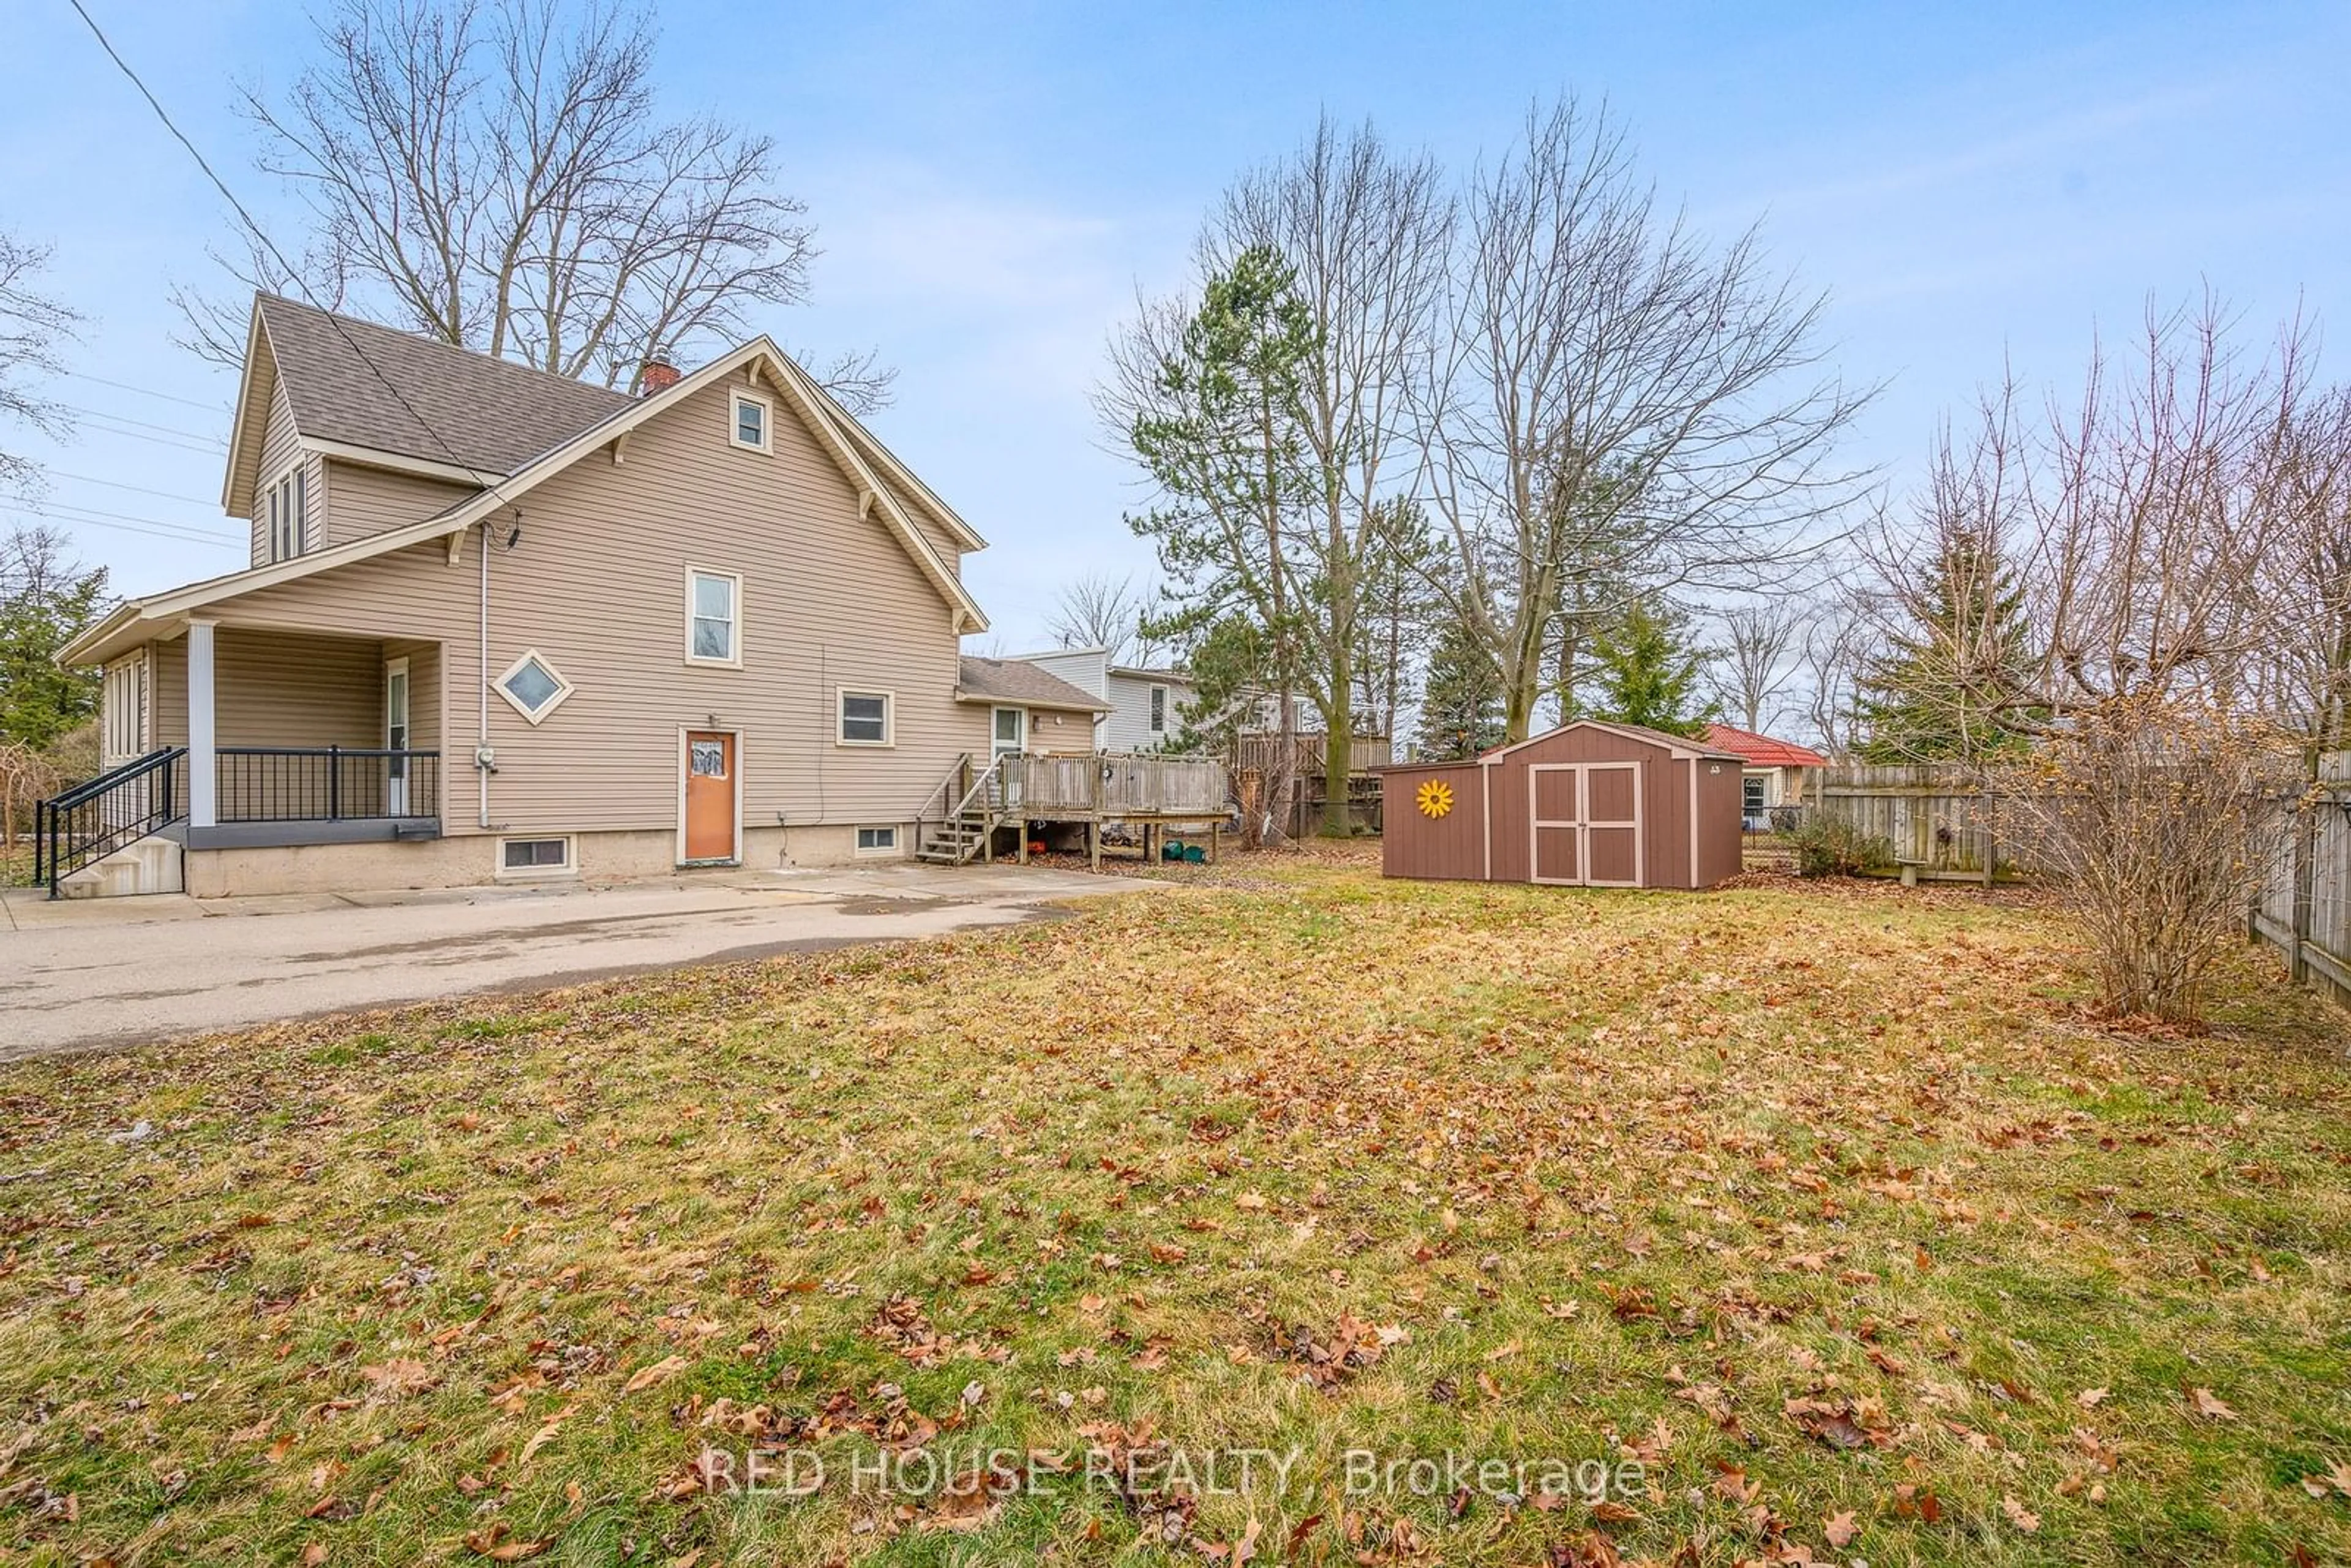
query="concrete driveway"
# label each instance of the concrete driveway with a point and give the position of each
(82, 974)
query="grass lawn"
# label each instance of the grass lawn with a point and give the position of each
(1805, 1220)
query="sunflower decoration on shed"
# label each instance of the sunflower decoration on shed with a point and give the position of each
(1434, 799)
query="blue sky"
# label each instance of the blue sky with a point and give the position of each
(994, 184)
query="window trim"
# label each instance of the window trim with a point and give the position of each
(840, 696)
(857, 848)
(734, 660)
(766, 446)
(283, 501)
(1155, 716)
(563, 688)
(570, 868)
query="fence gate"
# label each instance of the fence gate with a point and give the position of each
(1585, 823)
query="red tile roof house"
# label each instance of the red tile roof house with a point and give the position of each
(1774, 771)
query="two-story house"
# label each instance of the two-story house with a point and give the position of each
(500, 623)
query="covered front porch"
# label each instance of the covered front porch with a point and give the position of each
(221, 735)
(301, 736)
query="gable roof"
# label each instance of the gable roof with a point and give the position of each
(817, 412)
(359, 384)
(1678, 745)
(356, 383)
(1017, 681)
(1762, 749)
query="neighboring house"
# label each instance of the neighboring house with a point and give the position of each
(1031, 709)
(1142, 704)
(1775, 774)
(498, 624)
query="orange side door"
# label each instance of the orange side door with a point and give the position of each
(709, 796)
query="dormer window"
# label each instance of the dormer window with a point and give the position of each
(282, 512)
(753, 418)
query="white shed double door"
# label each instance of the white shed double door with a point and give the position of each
(1585, 822)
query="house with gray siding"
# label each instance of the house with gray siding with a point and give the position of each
(1144, 707)
(498, 625)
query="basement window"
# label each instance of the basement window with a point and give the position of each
(877, 841)
(534, 857)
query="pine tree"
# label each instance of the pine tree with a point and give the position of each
(47, 600)
(1648, 672)
(1461, 703)
(1939, 694)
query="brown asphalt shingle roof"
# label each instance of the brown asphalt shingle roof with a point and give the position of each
(1012, 681)
(487, 413)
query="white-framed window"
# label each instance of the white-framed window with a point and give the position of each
(282, 510)
(751, 423)
(125, 734)
(877, 841)
(546, 856)
(1159, 710)
(533, 687)
(866, 718)
(713, 616)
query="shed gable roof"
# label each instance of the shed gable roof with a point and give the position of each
(1678, 745)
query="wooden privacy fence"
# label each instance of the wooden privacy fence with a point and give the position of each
(2304, 908)
(1938, 819)
(1260, 752)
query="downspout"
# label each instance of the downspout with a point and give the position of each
(482, 746)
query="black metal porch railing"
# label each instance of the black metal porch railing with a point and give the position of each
(325, 784)
(119, 806)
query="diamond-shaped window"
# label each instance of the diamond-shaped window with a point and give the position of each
(535, 688)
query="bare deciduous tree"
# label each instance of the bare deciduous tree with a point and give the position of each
(1617, 401)
(1365, 232)
(1752, 668)
(499, 178)
(2142, 527)
(1098, 611)
(31, 326)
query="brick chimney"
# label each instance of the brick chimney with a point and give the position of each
(655, 376)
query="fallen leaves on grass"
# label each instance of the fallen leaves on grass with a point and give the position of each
(2203, 1402)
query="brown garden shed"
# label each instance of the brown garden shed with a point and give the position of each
(1586, 805)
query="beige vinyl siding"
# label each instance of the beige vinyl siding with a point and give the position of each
(170, 678)
(362, 500)
(597, 587)
(1073, 734)
(280, 688)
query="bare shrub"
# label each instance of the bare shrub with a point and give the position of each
(2155, 817)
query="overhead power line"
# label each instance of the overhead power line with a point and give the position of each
(119, 485)
(197, 529)
(148, 391)
(166, 531)
(261, 237)
(142, 424)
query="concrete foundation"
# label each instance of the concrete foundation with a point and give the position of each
(473, 859)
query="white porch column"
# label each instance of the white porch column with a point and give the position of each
(203, 776)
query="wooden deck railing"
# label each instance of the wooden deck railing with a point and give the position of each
(1110, 785)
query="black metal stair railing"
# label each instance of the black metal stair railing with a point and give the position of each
(119, 806)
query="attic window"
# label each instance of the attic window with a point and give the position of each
(284, 501)
(752, 418)
(533, 687)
